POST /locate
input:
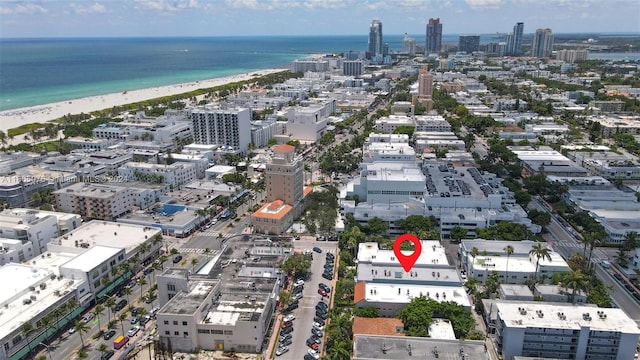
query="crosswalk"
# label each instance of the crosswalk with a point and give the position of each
(192, 250)
(568, 245)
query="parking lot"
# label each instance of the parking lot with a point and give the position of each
(306, 311)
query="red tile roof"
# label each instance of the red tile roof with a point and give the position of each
(358, 292)
(270, 210)
(377, 326)
(284, 148)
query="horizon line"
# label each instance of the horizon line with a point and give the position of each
(295, 36)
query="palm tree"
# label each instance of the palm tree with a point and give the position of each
(110, 303)
(630, 242)
(122, 318)
(57, 313)
(98, 311)
(70, 306)
(142, 249)
(81, 327)
(103, 349)
(27, 329)
(509, 250)
(141, 313)
(194, 262)
(576, 281)
(595, 239)
(207, 252)
(82, 354)
(127, 291)
(142, 283)
(341, 350)
(622, 258)
(540, 252)
(45, 324)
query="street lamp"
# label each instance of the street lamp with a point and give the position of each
(48, 351)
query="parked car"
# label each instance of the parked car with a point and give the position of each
(291, 307)
(298, 282)
(313, 353)
(322, 315)
(328, 267)
(329, 256)
(312, 344)
(322, 304)
(285, 337)
(327, 276)
(289, 318)
(134, 320)
(121, 304)
(324, 287)
(319, 320)
(308, 357)
(177, 259)
(286, 342)
(107, 355)
(145, 319)
(286, 325)
(133, 331)
(296, 296)
(317, 333)
(315, 339)
(286, 330)
(322, 292)
(317, 249)
(88, 318)
(282, 350)
(109, 334)
(317, 325)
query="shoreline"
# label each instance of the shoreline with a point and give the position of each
(44, 113)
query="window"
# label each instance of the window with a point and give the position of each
(186, 333)
(171, 287)
(176, 333)
(228, 332)
(184, 323)
(167, 332)
(166, 322)
(219, 332)
(175, 322)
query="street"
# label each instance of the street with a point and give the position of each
(306, 312)
(566, 245)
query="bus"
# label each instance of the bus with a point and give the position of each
(120, 341)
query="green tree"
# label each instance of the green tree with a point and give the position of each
(576, 281)
(27, 329)
(540, 217)
(110, 303)
(508, 250)
(81, 328)
(367, 311)
(340, 350)
(98, 310)
(127, 291)
(103, 348)
(417, 315)
(272, 142)
(458, 232)
(143, 282)
(539, 251)
(122, 317)
(377, 226)
(296, 264)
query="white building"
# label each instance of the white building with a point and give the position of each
(15, 251)
(32, 292)
(96, 201)
(176, 174)
(389, 124)
(388, 148)
(308, 123)
(491, 256)
(30, 226)
(564, 332)
(381, 281)
(263, 131)
(431, 123)
(94, 265)
(222, 127)
(90, 144)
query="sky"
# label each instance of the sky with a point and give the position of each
(141, 18)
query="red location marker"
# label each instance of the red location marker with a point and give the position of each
(407, 261)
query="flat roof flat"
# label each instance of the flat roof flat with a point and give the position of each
(375, 347)
(107, 233)
(432, 253)
(91, 258)
(404, 293)
(189, 302)
(573, 317)
(17, 279)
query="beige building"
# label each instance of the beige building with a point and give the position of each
(95, 201)
(285, 192)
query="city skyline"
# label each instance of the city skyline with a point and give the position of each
(313, 17)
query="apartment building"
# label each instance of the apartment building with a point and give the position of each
(558, 331)
(435, 123)
(389, 124)
(228, 127)
(382, 283)
(176, 174)
(29, 226)
(95, 201)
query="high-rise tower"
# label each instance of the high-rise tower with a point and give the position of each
(375, 38)
(425, 88)
(514, 42)
(542, 43)
(433, 42)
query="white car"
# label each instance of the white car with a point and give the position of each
(282, 350)
(289, 318)
(299, 282)
(134, 330)
(88, 318)
(314, 353)
(318, 326)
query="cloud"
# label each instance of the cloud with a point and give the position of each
(168, 5)
(484, 4)
(22, 8)
(96, 8)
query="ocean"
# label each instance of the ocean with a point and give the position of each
(40, 71)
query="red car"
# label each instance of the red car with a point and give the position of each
(322, 292)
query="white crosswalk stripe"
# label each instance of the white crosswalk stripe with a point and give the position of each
(191, 250)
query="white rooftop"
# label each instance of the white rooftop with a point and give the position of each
(516, 263)
(16, 282)
(572, 317)
(441, 329)
(91, 258)
(403, 293)
(432, 253)
(109, 234)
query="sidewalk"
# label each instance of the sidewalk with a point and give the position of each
(274, 337)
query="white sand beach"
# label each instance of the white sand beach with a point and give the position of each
(10, 119)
